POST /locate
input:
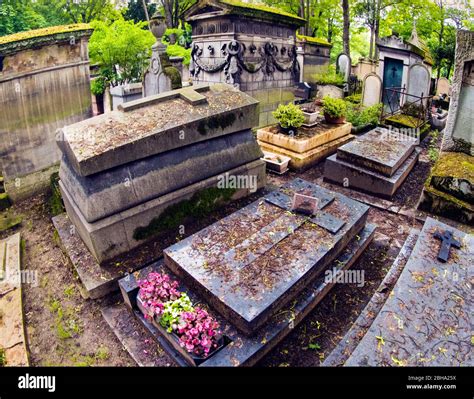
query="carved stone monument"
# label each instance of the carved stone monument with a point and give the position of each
(161, 76)
(249, 46)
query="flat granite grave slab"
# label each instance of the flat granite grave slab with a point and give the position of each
(426, 321)
(251, 263)
(377, 151)
(353, 176)
(240, 349)
(156, 124)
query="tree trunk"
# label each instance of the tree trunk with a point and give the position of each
(377, 29)
(346, 27)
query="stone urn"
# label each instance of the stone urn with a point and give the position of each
(157, 26)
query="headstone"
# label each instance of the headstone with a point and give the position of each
(419, 80)
(426, 321)
(443, 87)
(371, 90)
(343, 66)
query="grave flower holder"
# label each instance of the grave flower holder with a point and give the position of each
(174, 339)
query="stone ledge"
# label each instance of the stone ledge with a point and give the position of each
(303, 161)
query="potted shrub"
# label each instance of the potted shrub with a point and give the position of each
(363, 118)
(98, 89)
(275, 162)
(334, 110)
(290, 117)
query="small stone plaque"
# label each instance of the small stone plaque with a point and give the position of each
(305, 204)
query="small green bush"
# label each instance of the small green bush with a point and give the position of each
(98, 86)
(360, 116)
(354, 98)
(175, 50)
(334, 107)
(329, 77)
(289, 116)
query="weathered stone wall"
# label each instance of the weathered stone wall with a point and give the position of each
(43, 86)
(459, 132)
(315, 59)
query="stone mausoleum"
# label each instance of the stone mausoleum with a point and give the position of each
(44, 85)
(255, 48)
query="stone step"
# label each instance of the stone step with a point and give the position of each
(360, 178)
(12, 334)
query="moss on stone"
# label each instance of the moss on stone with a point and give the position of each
(4, 201)
(314, 40)
(8, 220)
(200, 205)
(175, 77)
(214, 122)
(403, 120)
(32, 38)
(453, 164)
(55, 201)
(263, 11)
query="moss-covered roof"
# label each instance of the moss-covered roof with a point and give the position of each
(32, 38)
(314, 40)
(259, 10)
(454, 164)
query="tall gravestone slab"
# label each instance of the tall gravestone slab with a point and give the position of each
(426, 321)
(371, 90)
(343, 66)
(443, 86)
(122, 170)
(419, 81)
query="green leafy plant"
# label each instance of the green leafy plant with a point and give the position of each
(289, 116)
(360, 116)
(354, 98)
(334, 107)
(172, 311)
(175, 50)
(329, 77)
(98, 86)
(122, 50)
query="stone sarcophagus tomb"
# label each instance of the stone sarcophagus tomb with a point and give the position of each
(123, 172)
(250, 46)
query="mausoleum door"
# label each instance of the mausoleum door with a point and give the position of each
(392, 77)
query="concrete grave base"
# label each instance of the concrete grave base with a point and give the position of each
(306, 151)
(357, 177)
(240, 349)
(114, 235)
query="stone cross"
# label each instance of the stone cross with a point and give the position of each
(447, 241)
